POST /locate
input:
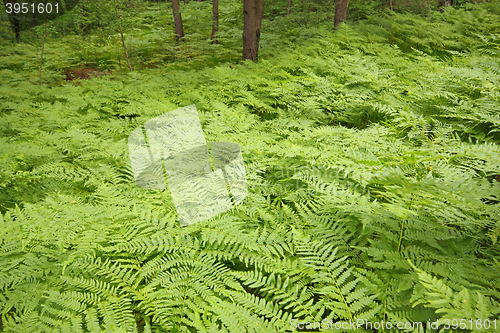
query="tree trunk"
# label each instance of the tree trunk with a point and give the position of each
(186, 2)
(340, 11)
(289, 7)
(179, 30)
(17, 28)
(252, 19)
(14, 22)
(445, 3)
(43, 45)
(215, 21)
(123, 38)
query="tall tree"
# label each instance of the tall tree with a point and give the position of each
(252, 19)
(24, 15)
(43, 45)
(289, 7)
(445, 3)
(14, 21)
(179, 29)
(123, 38)
(215, 21)
(340, 11)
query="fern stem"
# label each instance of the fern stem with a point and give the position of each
(385, 301)
(401, 236)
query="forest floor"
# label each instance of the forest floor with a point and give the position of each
(378, 144)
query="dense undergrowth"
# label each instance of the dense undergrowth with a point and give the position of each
(372, 156)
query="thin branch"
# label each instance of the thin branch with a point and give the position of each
(43, 45)
(123, 39)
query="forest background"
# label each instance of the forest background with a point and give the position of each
(371, 149)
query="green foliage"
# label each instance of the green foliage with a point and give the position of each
(372, 158)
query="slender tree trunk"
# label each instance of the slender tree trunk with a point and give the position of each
(14, 22)
(186, 2)
(340, 11)
(33, 16)
(289, 7)
(445, 3)
(123, 39)
(260, 13)
(43, 45)
(84, 14)
(17, 28)
(215, 21)
(179, 29)
(252, 18)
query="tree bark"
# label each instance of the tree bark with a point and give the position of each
(252, 19)
(289, 8)
(340, 12)
(179, 29)
(215, 21)
(123, 38)
(43, 45)
(14, 22)
(445, 3)
(186, 2)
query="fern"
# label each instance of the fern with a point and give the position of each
(371, 154)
